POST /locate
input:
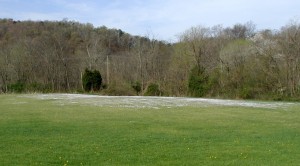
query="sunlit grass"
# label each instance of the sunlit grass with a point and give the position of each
(42, 132)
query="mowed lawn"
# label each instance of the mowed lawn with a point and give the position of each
(47, 132)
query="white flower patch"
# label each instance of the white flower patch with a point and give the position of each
(151, 102)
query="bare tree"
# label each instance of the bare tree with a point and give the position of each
(196, 41)
(290, 45)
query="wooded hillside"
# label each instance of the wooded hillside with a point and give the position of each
(231, 62)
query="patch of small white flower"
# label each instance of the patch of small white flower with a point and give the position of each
(151, 102)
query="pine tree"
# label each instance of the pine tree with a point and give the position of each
(91, 80)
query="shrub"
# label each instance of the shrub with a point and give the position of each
(246, 93)
(38, 87)
(153, 90)
(137, 87)
(198, 82)
(18, 87)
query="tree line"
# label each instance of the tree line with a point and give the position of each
(228, 62)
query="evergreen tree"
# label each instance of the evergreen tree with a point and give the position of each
(91, 80)
(96, 80)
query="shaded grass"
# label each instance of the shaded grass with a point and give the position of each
(40, 132)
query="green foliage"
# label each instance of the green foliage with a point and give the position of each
(91, 80)
(38, 87)
(246, 93)
(198, 82)
(137, 87)
(86, 80)
(18, 87)
(213, 83)
(153, 90)
(96, 81)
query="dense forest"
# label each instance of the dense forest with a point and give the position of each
(224, 62)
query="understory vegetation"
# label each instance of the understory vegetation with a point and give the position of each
(225, 62)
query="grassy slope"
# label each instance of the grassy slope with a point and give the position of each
(42, 133)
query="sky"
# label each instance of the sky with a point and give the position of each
(159, 19)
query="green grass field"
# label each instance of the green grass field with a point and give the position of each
(63, 132)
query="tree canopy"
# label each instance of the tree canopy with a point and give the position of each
(231, 62)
